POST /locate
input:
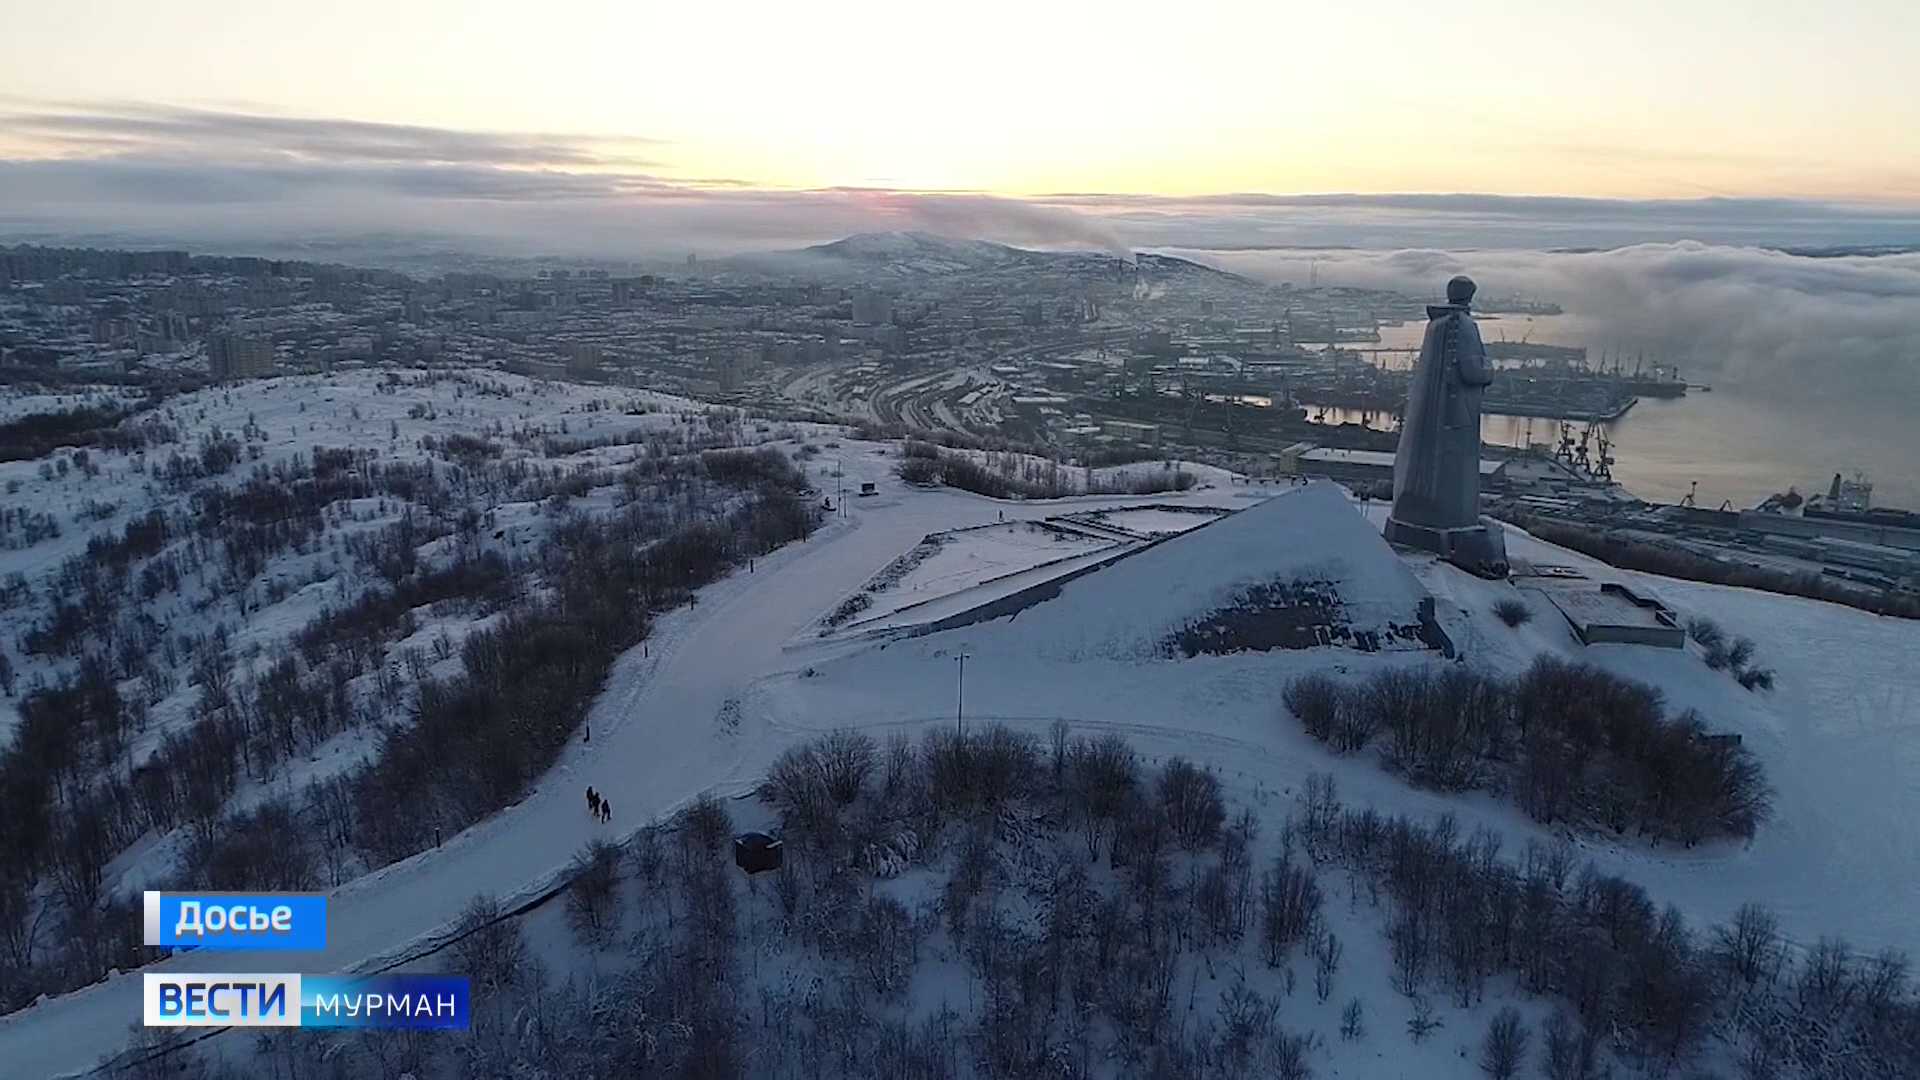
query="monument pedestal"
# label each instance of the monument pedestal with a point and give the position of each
(1478, 549)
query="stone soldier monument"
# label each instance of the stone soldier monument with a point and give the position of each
(1436, 471)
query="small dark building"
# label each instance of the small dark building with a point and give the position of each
(1723, 739)
(754, 852)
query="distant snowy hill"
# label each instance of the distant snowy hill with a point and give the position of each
(909, 255)
(918, 253)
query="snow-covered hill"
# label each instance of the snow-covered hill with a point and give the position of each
(918, 255)
(890, 960)
(724, 687)
(229, 614)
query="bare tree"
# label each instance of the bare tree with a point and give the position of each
(488, 948)
(1193, 804)
(1212, 894)
(1422, 1023)
(887, 946)
(1326, 962)
(902, 778)
(704, 827)
(593, 892)
(1289, 909)
(1104, 777)
(847, 760)
(1505, 1045)
(1570, 1051)
(1749, 951)
(1353, 1023)
(795, 786)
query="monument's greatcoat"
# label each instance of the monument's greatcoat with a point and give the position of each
(1436, 471)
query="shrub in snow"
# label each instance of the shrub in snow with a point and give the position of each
(1316, 701)
(1722, 653)
(1706, 632)
(1740, 653)
(1572, 743)
(1513, 612)
(920, 472)
(892, 858)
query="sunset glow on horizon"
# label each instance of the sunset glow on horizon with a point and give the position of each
(1634, 100)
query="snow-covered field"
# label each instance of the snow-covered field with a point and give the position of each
(725, 686)
(1151, 521)
(972, 556)
(952, 572)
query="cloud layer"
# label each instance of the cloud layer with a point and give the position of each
(204, 176)
(168, 131)
(1751, 320)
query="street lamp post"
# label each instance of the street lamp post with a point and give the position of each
(960, 700)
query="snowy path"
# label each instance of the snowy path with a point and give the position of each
(656, 745)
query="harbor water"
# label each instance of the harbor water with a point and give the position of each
(1740, 442)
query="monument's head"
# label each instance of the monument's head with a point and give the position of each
(1460, 291)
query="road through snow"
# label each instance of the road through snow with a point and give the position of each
(656, 745)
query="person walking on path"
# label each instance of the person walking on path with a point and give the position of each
(606, 810)
(593, 802)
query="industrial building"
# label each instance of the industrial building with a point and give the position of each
(1148, 434)
(1617, 614)
(1860, 529)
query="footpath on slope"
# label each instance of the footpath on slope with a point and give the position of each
(654, 751)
